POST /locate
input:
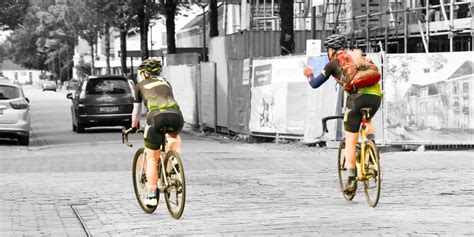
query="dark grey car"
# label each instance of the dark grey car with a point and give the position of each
(101, 101)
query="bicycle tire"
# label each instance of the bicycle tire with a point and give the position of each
(175, 193)
(139, 181)
(373, 184)
(342, 170)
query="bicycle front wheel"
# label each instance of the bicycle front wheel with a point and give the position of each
(139, 180)
(373, 183)
(175, 192)
(342, 169)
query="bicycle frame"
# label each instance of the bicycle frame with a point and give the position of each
(362, 174)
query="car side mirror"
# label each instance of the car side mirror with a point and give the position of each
(69, 96)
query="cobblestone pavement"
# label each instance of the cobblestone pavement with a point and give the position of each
(234, 188)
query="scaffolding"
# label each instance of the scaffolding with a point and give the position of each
(366, 22)
(402, 20)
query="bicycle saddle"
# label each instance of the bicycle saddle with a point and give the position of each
(166, 129)
(365, 110)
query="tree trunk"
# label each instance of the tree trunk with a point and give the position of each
(144, 23)
(170, 8)
(213, 19)
(287, 42)
(123, 51)
(107, 48)
(92, 58)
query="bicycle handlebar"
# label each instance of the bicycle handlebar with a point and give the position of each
(325, 119)
(125, 136)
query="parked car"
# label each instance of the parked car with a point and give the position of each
(101, 101)
(48, 85)
(14, 113)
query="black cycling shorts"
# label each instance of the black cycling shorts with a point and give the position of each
(171, 119)
(352, 114)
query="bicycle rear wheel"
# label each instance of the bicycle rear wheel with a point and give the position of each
(342, 169)
(373, 183)
(175, 192)
(139, 180)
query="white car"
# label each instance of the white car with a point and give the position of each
(14, 113)
(48, 86)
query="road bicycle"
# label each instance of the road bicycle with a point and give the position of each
(368, 162)
(171, 180)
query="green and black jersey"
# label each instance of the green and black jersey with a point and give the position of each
(157, 94)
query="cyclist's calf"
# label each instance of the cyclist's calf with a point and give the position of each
(174, 142)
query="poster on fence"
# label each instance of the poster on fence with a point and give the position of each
(278, 101)
(320, 102)
(429, 98)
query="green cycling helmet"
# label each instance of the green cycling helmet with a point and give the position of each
(151, 66)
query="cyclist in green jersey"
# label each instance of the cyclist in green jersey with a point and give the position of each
(163, 111)
(370, 96)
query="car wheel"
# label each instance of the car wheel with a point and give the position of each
(74, 128)
(24, 140)
(80, 128)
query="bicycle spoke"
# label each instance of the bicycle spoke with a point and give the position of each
(175, 192)
(373, 183)
(140, 180)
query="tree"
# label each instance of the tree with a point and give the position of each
(56, 39)
(171, 8)
(107, 12)
(12, 13)
(123, 20)
(3, 50)
(145, 10)
(86, 23)
(287, 42)
(213, 19)
(23, 49)
(170, 13)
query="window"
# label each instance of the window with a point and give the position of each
(424, 91)
(455, 88)
(107, 86)
(465, 87)
(9, 92)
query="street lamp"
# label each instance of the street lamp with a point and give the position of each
(203, 4)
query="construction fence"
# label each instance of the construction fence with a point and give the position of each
(428, 97)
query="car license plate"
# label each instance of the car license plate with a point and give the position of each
(108, 109)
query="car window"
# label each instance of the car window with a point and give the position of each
(9, 92)
(105, 86)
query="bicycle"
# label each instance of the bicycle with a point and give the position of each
(171, 179)
(368, 155)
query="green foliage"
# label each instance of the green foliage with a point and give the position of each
(23, 49)
(83, 69)
(12, 13)
(2, 52)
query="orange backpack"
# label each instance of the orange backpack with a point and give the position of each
(357, 70)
